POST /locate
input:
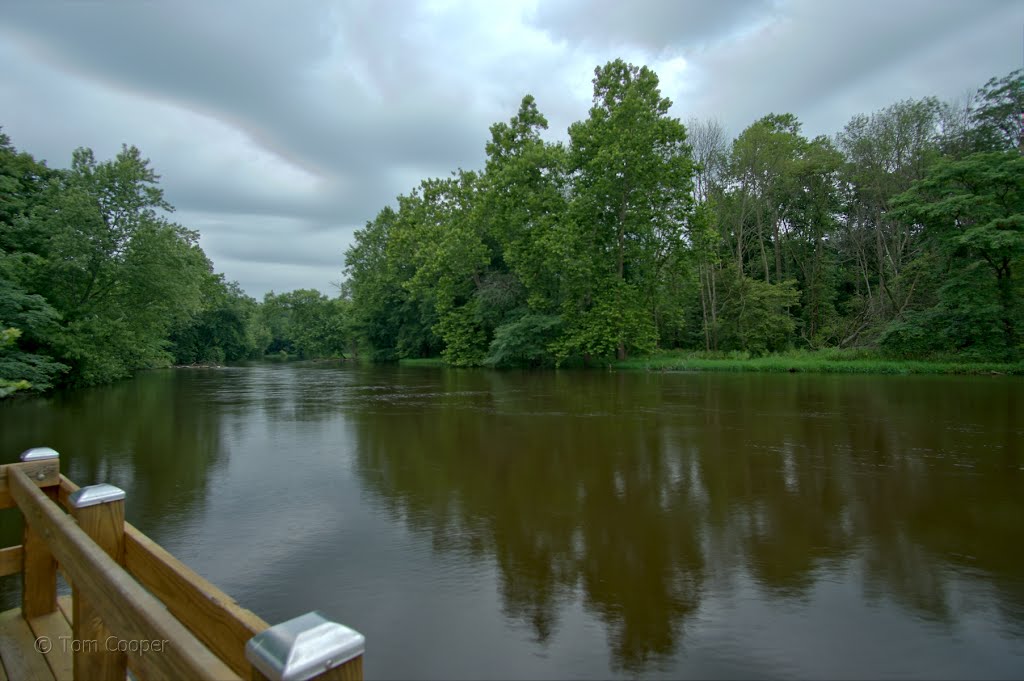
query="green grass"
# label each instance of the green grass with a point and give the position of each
(825, 361)
(422, 362)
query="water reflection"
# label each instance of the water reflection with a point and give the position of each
(586, 524)
(640, 493)
(155, 437)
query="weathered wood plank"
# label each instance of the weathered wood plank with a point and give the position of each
(11, 559)
(104, 524)
(17, 648)
(65, 490)
(58, 655)
(212, 615)
(128, 609)
(350, 671)
(39, 568)
(45, 473)
(65, 606)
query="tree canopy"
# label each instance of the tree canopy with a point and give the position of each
(903, 232)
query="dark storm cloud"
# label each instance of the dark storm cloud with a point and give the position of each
(280, 128)
(254, 65)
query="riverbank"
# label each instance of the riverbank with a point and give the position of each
(821, 362)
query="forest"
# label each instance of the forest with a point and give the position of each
(899, 235)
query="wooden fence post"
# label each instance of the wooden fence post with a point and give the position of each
(307, 647)
(99, 510)
(39, 569)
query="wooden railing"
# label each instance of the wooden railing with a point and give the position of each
(126, 588)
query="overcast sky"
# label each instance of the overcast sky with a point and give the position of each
(279, 127)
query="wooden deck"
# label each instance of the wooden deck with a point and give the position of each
(20, 655)
(128, 592)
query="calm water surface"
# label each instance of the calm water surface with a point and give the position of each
(478, 524)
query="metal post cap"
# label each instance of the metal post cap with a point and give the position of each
(92, 495)
(303, 647)
(39, 454)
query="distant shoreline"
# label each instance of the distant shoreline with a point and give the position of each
(799, 362)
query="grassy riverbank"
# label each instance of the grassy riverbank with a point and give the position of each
(823, 361)
(422, 362)
(803, 361)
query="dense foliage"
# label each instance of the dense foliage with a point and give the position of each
(96, 282)
(903, 233)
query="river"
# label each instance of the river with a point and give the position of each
(480, 524)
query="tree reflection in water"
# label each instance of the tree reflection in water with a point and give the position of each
(635, 494)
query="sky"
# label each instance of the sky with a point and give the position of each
(279, 128)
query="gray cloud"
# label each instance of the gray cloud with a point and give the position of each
(280, 128)
(815, 54)
(651, 24)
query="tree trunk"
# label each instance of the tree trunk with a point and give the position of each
(1006, 299)
(702, 273)
(778, 253)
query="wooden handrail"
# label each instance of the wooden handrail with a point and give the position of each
(10, 560)
(209, 613)
(130, 612)
(42, 473)
(146, 594)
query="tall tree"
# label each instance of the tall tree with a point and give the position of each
(119, 273)
(523, 203)
(885, 154)
(760, 169)
(997, 119)
(972, 212)
(633, 196)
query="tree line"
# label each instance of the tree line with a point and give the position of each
(900, 233)
(96, 282)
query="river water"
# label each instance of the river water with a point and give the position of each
(479, 524)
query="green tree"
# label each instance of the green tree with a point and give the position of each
(227, 328)
(971, 212)
(444, 245)
(812, 210)
(523, 204)
(755, 315)
(996, 119)
(10, 385)
(306, 323)
(523, 200)
(28, 322)
(632, 197)
(885, 154)
(97, 247)
(760, 167)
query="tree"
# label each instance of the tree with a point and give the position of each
(226, 329)
(760, 167)
(96, 246)
(628, 239)
(27, 323)
(307, 323)
(522, 204)
(885, 154)
(633, 196)
(997, 119)
(971, 212)
(813, 207)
